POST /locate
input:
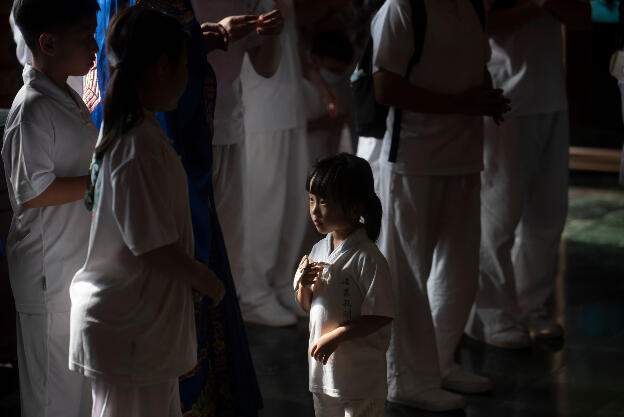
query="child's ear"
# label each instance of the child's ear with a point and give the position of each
(356, 211)
(47, 44)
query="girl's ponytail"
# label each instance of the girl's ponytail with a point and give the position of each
(372, 217)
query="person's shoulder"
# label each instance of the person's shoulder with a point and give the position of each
(140, 144)
(32, 107)
(368, 254)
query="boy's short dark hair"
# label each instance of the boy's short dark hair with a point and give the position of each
(333, 44)
(34, 17)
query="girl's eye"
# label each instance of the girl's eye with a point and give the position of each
(323, 202)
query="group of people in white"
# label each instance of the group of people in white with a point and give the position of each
(456, 233)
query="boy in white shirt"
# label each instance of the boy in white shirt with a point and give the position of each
(47, 147)
(430, 193)
(525, 181)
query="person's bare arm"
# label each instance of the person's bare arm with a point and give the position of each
(61, 191)
(265, 58)
(355, 329)
(394, 90)
(174, 262)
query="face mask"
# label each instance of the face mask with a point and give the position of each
(332, 78)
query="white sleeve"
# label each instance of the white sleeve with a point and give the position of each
(28, 153)
(377, 287)
(393, 37)
(142, 205)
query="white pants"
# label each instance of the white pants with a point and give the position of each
(370, 149)
(120, 400)
(524, 207)
(228, 164)
(276, 214)
(430, 237)
(326, 406)
(47, 387)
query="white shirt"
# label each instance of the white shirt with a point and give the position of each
(454, 55)
(276, 103)
(357, 283)
(228, 118)
(130, 323)
(49, 134)
(528, 65)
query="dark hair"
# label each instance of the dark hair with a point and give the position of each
(348, 180)
(333, 44)
(34, 17)
(135, 39)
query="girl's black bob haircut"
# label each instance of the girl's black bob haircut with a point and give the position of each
(347, 180)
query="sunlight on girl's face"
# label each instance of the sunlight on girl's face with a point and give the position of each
(328, 215)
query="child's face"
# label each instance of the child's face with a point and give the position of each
(328, 215)
(76, 48)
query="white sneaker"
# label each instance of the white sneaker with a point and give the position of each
(288, 300)
(542, 327)
(269, 314)
(433, 400)
(465, 382)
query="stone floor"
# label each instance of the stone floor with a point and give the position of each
(582, 376)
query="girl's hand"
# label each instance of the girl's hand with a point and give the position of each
(307, 273)
(270, 24)
(325, 347)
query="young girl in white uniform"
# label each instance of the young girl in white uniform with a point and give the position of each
(132, 319)
(345, 286)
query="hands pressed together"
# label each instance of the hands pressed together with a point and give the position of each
(233, 28)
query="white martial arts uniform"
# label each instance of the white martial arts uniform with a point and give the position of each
(49, 134)
(430, 195)
(228, 142)
(370, 149)
(525, 182)
(356, 284)
(276, 169)
(131, 325)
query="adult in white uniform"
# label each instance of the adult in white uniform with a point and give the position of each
(276, 169)
(238, 18)
(525, 182)
(430, 195)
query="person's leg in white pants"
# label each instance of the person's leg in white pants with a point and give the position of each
(227, 178)
(454, 276)
(122, 400)
(47, 386)
(326, 406)
(524, 199)
(276, 220)
(545, 210)
(408, 238)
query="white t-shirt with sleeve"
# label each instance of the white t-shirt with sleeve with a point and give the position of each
(356, 284)
(454, 57)
(49, 133)
(131, 323)
(228, 118)
(527, 64)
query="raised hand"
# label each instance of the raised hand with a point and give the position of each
(270, 24)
